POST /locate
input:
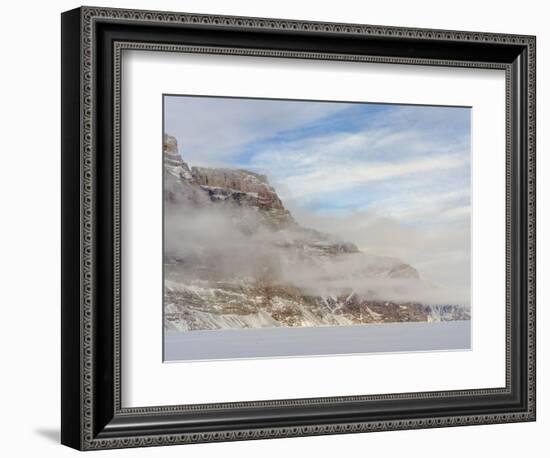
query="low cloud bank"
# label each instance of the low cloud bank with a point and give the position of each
(228, 243)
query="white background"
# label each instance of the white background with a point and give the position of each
(29, 246)
(148, 75)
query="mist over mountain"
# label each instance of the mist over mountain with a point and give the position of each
(235, 257)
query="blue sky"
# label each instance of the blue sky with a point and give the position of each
(360, 170)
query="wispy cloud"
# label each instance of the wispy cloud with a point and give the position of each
(336, 177)
(216, 130)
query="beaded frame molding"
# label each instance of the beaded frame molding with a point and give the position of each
(93, 40)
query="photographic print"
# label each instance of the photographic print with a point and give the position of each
(302, 227)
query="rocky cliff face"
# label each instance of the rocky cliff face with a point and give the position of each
(243, 188)
(236, 258)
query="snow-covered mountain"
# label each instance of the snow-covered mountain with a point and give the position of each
(236, 258)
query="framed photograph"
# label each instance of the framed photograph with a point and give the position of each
(276, 228)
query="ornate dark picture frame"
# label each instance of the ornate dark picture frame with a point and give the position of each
(92, 42)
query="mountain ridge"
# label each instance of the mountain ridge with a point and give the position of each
(235, 258)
